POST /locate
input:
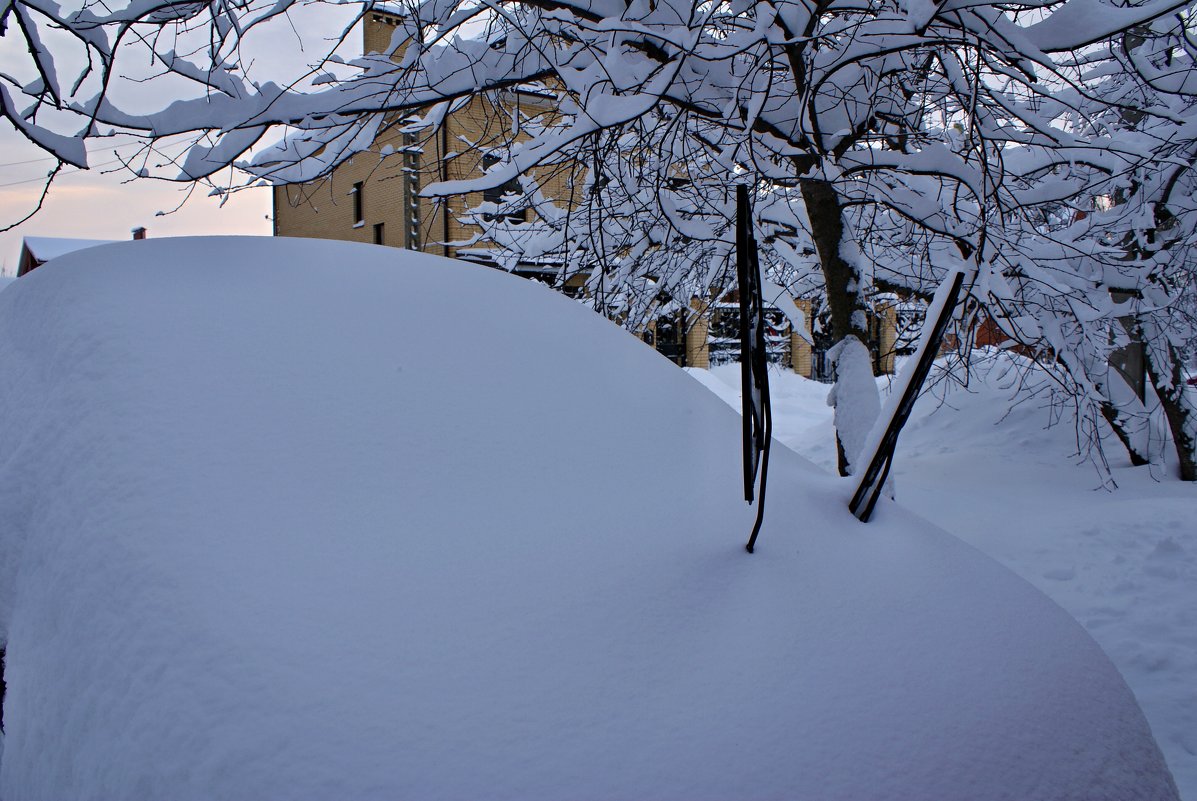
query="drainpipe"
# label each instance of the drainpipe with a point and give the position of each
(445, 177)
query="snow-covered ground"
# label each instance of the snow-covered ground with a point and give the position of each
(312, 520)
(1122, 562)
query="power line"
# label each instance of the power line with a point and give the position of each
(91, 167)
(44, 158)
(27, 161)
(33, 180)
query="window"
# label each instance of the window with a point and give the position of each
(497, 194)
(670, 336)
(378, 235)
(358, 216)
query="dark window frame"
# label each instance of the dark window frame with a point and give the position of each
(496, 194)
(358, 203)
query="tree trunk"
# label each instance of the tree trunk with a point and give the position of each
(1126, 391)
(1164, 369)
(1113, 416)
(1123, 409)
(845, 299)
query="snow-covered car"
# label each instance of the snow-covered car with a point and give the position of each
(312, 520)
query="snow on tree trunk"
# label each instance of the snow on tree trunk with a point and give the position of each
(855, 398)
(1128, 418)
(1164, 367)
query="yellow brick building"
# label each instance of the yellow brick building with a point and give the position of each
(374, 197)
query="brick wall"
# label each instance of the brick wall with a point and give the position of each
(698, 352)
(801, 357)
(887, 338)
(390, 184)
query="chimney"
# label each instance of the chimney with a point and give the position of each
(139, 232)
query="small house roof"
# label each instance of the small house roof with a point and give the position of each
(37, 250)
(44, 248)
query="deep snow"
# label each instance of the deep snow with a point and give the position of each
(996, 466)
(302, 519)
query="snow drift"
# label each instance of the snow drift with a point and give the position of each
(311, 520)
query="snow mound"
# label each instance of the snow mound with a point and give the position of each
(312, 520)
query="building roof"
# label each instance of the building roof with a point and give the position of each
(44, 248)
(37, 250)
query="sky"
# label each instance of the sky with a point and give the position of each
(104, 205)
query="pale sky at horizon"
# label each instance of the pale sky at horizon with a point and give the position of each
(93, 204)
(97, 205)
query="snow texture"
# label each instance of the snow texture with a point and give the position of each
(44, 248)
(986, 464)
(315, 520)
(853, 396)
(898, 388)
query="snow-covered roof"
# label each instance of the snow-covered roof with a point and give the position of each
(44, 248)
(326, 545)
